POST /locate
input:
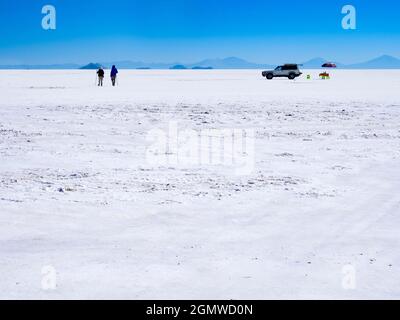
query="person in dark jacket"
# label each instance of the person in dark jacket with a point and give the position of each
(100, 75)
(114, 72)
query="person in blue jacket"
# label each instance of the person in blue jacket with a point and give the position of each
(114, 72)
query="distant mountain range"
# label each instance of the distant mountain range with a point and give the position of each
(382, 62)
(229, 63)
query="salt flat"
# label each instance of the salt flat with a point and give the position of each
(79, 195)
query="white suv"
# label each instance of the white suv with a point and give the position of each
(290, 71)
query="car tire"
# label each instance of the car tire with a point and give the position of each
(270, 76)
(292, 76)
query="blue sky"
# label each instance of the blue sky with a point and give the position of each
(264, 31)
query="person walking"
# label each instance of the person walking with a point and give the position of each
(114, 72)
(100, 75)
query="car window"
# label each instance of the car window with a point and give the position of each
(278, 68)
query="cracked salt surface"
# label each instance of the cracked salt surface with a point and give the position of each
(77, 193)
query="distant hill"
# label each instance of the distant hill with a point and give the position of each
(178, 67)
(382, 62)
(202, 68)
(315, 63)
(91, 66)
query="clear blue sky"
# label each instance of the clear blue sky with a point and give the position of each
(264, 31)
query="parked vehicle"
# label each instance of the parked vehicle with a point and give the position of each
(290, 71)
